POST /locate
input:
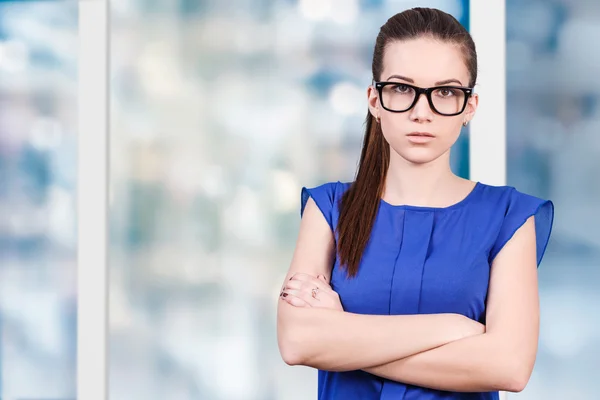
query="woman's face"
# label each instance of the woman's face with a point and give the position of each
(421, 135)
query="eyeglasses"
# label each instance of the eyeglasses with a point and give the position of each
(444, 100)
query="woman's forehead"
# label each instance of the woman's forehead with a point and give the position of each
(425, 61)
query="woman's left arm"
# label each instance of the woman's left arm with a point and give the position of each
(503, 357)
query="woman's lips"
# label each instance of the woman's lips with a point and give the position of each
(420, 137)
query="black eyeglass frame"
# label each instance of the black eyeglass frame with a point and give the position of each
(427, 92)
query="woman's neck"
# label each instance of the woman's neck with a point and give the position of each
(432, 184)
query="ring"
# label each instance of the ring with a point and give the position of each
(314, 292)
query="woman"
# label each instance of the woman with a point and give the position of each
(411, 282)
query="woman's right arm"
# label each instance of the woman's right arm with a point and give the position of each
(341, 341)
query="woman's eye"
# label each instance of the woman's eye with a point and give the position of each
(446, 92)
(402, 88)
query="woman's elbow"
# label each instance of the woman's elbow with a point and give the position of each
(289, 347)
(518, 380)
(291, 355)
(290, 344)
(515, 384)
(517, 373)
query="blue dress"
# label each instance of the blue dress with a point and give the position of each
(425, 260)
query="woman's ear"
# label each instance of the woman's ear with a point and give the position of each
(372, 98)
(472, 104)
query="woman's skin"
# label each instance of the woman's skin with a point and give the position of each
(329, 338)
(439, 351)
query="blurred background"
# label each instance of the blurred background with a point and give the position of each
(221, 112)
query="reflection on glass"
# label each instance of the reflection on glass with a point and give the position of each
(553, 144)
(38, 243)
(220, 114)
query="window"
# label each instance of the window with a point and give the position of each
(552, 145)
(38, 182)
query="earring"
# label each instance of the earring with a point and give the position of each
(377, 119)
(465, 123)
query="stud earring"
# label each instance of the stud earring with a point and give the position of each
(465, 123)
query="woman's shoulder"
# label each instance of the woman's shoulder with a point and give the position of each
(332, 189)
(326, 195)
(509, 208)
(334, 184)
(504, 197)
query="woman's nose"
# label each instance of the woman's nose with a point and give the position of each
(422, 111)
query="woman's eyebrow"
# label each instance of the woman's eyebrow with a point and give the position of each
(444, 82)
(400, 77)
(447, 81)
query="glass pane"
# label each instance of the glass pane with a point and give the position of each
(38, 242)
(553, 144)
(221, 111)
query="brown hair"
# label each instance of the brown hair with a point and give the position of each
(360, 204)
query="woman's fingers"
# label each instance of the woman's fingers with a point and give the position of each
(293, 300)
(304, 293)
(316, 283)
(304, 290)
(298, 285)
(306, 286)
(299, 294)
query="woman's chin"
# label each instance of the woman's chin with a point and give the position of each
(419, 155)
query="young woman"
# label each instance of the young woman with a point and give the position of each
(411, 282)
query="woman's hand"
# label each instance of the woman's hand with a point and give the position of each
(468, 327)
(303, 290)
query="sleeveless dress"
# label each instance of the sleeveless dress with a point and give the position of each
(425, 260)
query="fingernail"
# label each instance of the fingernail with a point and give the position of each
(291, 278)
(284, 295)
